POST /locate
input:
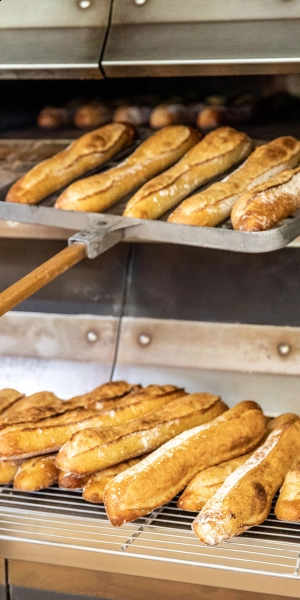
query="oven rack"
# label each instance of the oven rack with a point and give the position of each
(62, 519)
(222, 237)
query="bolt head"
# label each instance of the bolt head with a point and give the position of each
(84, 4)
(144, 339)
(92, 337)
(284, 349)
(140, 2)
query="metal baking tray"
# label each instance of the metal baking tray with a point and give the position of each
(17, 156)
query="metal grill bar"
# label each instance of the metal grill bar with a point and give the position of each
(62, 518)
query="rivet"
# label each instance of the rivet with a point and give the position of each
(284, 349)
(92, 337)
(140, 2)
(144, 339)
(84, 3)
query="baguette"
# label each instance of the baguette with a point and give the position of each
(245, 499)
(48, 435)
(269, 203)
(216, 153)
(137, 116)
(52, 117)
(71, 481)
(32, 409)
(207, 483)
(8, 469)
(94, 114)
(173, 113)
(36, 474)
(213, 205)
(157, 153)
(93, 491)
(160, 476)
(107, 392)
(8, 398)
(287, 507)
(94, 449)
(88, 152)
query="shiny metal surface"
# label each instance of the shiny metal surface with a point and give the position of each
(80, 534)
(59, 40)
(51, 53)
(167, 46)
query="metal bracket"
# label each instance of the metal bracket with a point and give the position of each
(101, 237)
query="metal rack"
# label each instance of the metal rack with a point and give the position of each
(138, 230)
(63, 519)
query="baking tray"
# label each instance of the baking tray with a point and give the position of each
(18, 156)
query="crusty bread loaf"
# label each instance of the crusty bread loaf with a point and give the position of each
(8, 469)
(207, 482)
(36, 473)
(93, 114)
(88, 152)
(8, 398)
(215, 154)
(165, 472)
(97, 449)
(157, 153)
(101, 395)
(93, 491)
(71, 481)
(135, 115)
(213, 205)
(287, 507)
(48, 435)
(269, 203)
(172, 113)
(245, 499)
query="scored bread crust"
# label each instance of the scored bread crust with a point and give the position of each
(157, 153)
(8, 398)
(165, 472)
(94, 449)
(93, 491)
(287, 507)
(88, 152)
(207, 482)
(101, 395)
(214, 205)
(36, 473)
(72, 482)
(245, 499)
(267, 204)
(48, 435)
(215, 154)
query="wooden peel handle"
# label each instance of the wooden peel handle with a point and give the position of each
(45, 273)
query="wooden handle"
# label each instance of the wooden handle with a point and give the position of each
(45, 273)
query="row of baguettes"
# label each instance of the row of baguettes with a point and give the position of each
(231, 461)
(173, 162)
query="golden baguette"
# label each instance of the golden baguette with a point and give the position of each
(269, 203)
(35, 401)
(160, 476)
(71, 481)
(287, 507)
(48, 435)
(245, 499)
(157, 153)
(97, 398)
(93, 491)
(93, 114)
(215, 154)
(214, 205)
(207, 483)
(88, 152)
(36, 473)
(8, 398)
(94, 449)
(137, 116)
(8, 469)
